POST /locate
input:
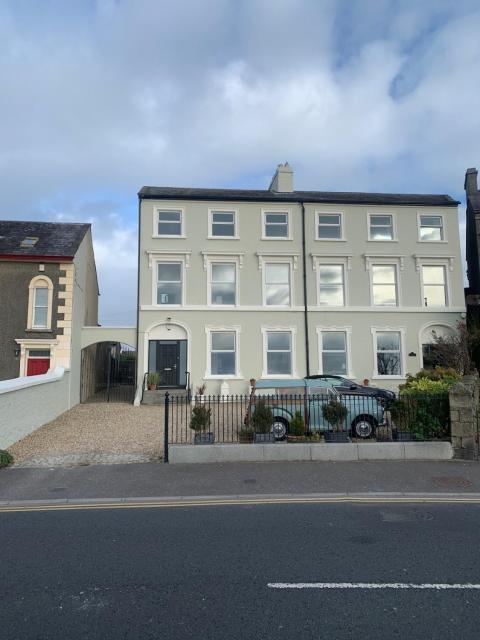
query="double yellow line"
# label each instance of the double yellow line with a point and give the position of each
(27, 507)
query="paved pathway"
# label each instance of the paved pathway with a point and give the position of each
(94, 434)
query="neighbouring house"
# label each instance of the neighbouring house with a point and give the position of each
(237, 284)
(473, 236)
(48, 293)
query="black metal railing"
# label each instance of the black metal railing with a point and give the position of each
(301, 417)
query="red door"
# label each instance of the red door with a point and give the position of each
(37, 366)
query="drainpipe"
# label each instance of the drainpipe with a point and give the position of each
(305, 297)
(138, 298)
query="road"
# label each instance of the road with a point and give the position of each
(204, 572)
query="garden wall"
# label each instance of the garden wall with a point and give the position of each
(28, 403)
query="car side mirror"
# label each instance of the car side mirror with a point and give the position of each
(353, 386)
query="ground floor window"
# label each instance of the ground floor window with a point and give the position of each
(388, 353)
(223, 353)
(334, 352)
(279, 353)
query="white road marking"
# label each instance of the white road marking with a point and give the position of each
(370, 585)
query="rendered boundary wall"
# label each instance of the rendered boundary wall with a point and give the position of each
(313, 452)
(30, 402)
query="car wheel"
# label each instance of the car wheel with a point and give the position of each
(279, 428)
(363, 427)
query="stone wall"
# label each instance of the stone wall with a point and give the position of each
(464, 399)
(30, 402)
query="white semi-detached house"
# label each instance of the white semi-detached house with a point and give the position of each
(237, 284)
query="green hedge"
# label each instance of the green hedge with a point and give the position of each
(5, 458)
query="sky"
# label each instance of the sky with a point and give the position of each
(101, 97)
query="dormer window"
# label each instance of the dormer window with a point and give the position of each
(28, 242)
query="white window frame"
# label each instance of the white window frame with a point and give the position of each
(320, 330)
(279, 260)
(381, 261)
(44, 282)
(394, 225)
(319, 213)
(154, 259)
(432, 214)
(293, 335)
(208, 362)
(403, 360)
(432, 263)
(286, 212)
(209, 260)
(156, 210)
(236, 235)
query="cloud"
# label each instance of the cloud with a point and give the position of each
(100, 98)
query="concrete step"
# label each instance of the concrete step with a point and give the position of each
(157, 397)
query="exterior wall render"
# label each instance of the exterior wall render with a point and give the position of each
(195, 250)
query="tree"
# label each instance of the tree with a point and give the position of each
(456, 350)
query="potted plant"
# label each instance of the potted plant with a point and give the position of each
(246, 434)
(262, 420)
(199, 423)
(200, 394)
(335, 413)
(401, 415)
(152, 381)
(296, 428)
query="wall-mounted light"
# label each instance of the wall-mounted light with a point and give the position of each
(17, 352)
(412, 354)
(169, 328)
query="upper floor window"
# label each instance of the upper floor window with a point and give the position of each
(223, 224)
(40, 303)
(380, 227)
(170, 222)
(434, 286)
(384, 285)
(277, 286)
(329, 226)
(169, 283)
(275, 225)
(223, 283)
(331, 285)
(431, 228)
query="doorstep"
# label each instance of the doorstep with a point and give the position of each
(187, 453)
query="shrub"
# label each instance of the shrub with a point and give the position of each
(297, 425)
(153, 379)
(335, 413)
(436, 380)
(200, 390)
(5, 458)
(201, 417)
(246, 434)
(262, 418)
(426, 416)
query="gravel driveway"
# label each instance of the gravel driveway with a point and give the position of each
(94, 433)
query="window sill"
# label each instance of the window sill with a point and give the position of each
(373, 240)
(237, 377)
(330, 240)
(172, 237)
(432, 241)
(223, 238)
(39, 330)
(280, 239)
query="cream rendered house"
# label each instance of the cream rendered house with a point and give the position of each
(239, 284)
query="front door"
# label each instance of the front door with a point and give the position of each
(37, 366)
(168, 360)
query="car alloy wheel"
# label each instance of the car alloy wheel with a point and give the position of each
(363, 428)
(279, 428)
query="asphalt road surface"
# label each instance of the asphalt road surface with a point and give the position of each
(204, 572)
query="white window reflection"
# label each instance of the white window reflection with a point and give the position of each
(381, 227)
(169, 283)
(223, 284)
(431, 228)
(332, 285)
(384, 285)
(277, 284)
(434, 286)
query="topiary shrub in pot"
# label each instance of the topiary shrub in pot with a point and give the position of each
(200, 422)
(152, 381)
(262, 420)
(335, 414)
(6, 458)
(296, 428)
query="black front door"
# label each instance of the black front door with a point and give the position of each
(168, 360)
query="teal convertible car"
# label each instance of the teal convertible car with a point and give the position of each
(286, 397)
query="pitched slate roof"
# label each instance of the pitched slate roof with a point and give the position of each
(56, 239)
(325, 197)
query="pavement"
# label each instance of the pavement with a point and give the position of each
(158, 480)
(273, 571)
